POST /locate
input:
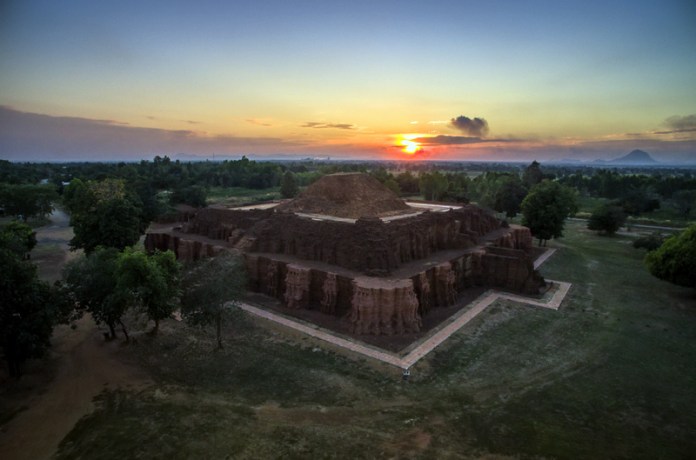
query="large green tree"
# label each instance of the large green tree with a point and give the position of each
(675, 260)
(211, 287)
(509, 195)
(27, 310)
(545, 209)
(149, 282)
(105, 213)
(92, 280)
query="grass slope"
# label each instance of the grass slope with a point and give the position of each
(609, 375)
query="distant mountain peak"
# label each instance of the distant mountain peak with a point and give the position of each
(635, 157)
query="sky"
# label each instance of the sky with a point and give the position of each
(377, 79)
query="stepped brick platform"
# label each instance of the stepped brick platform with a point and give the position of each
(380, 264)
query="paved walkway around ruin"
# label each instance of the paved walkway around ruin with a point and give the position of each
(431, 340)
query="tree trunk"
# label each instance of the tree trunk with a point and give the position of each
(155, 329)
(123, 328)
(218, 330)
(112, 331)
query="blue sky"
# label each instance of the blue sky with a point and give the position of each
(354, 79)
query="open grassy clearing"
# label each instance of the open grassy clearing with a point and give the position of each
(238, 196)
(609, 375)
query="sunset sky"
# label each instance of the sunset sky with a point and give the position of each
(450, 80)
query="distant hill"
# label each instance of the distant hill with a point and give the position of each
(636, 157)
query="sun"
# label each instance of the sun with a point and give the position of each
(410, 147)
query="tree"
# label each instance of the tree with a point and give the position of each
(509, 196)
(685, 200)
(532, 174)
(288, 185)
(105, 213)
(192, 195)
(149, 282)
(545, 209)
(607, 219)
(92, 280)
(675, 260)
(211, 288)
(27, 200)
(433, 186)
(649, 242)
(18, 238)
(27, 314)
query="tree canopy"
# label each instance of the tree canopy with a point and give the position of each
(27, 310)
(607, 219)
(104, 213)
(211, 287)
(27, 200)
(675, 260)
(288, 185)
(545, 209)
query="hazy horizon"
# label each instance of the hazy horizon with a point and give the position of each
(450, 81)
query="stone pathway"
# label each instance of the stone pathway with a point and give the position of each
(430, 341)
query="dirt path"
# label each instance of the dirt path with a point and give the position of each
(87, 366)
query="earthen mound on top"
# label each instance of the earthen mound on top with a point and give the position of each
(349, 195)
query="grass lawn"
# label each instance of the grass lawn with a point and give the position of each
(609, 375)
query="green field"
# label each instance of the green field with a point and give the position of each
(609, 375)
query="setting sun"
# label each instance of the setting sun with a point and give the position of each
(410, 147)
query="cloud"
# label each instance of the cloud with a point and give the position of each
(257, 122)
(26, 136)
(454, 140)
(679, 124)
(316, 124)
(473, 127)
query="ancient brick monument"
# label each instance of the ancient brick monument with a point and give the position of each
(348, 246)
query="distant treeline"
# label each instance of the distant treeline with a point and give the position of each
(499, 186)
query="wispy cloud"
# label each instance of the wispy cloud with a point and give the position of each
(317, 124)
(679, 124)
(257, 122)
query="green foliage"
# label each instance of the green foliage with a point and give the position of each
(546, 207)
(433, 186)
(211, 287)
(106, 283)
(92, 281)
(288, 185)
(27, 313)
(532, 174)
(607, 219)
(18, 238)
(649, 242)
(685, 201)
(149, 282)
(105, 213)
(638, 201)
(192, 195)
(27, 200)
(509, 195)
(408, 183)
(675, 260)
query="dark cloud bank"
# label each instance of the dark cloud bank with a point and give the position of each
(28, 136)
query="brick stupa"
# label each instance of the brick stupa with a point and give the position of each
(349, 247)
